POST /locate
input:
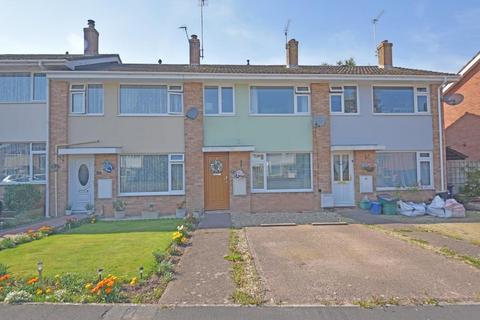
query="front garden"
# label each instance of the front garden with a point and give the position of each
(121, 261)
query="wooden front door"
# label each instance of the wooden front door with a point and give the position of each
(217, 181)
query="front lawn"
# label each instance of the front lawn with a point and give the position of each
(465, 231)
(119, 247)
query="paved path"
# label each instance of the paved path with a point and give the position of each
(53, 222)
(215, 220)
(247, 219)
(343, 264)
(203, 275)
(151, 312)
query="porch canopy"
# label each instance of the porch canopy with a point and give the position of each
(98, 150)
(357, 147)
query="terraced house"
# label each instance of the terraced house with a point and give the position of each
(246, 138)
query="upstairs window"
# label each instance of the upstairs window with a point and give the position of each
(400, 99)
(151, 99)
(218, 100)
(279, 100)
(343, 99)
(86, 99)
(23, 87)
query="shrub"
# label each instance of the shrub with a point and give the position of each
(6, 243)
(472, 185)
(159, 256)
(21, 198)
(18, 297)
(3, 269)
(165, 267)
(21, 238)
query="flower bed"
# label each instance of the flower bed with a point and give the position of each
(12, 241)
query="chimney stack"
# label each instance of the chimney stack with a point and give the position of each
(384, 52)
(292, 53)
(90, 38)
(194, 50)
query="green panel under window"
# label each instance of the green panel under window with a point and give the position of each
(266, 133)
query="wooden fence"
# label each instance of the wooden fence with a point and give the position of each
(457, 172)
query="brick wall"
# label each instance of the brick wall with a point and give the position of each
(58, 134)
(464, 135)
(369, 158)
(469, 86)
(321, 141)
(193, 97)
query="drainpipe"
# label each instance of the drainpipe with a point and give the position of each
(47, 160)
(440, 133)
(57, 146)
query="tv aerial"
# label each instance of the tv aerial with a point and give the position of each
(374, 23)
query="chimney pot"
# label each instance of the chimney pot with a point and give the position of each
(194, 43)
(292, 53)
(90, 38)
(385, 54)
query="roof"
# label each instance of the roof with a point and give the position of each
(261, 69)
(453, 154)
(69, 57)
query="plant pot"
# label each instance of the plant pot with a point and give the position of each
(181, 213)
(119, 214)
(68, 212)
(150, 214)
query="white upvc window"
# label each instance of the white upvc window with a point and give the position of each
(404, 169)
(23, 87)
(400, 99)
(219, 100)
(344, 99)
(279, 100)
(281, 172)
(152, 174)
(22, 163)
(151, 99)
(86, 99)
(175, 99)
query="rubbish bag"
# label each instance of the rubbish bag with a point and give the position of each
(437, 208)
(411, 209)
(457, 209)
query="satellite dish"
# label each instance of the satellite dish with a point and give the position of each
(453, 99)
(192, 113)
(319, 121)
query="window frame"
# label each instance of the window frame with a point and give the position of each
(335, 92)
(418, 159)
(220, 113)
(32, 87)
(30, 164)
(169, 166)
(295, 104)
(170, 91)
(84, 92)
(415, 103)
(264, 162)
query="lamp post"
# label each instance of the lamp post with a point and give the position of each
(40, 269)
(99, 271)
(141, 272)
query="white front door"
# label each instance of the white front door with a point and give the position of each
(342, 179)
(81, 174)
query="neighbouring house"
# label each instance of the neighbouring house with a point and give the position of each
(244, 138)
(462, 121)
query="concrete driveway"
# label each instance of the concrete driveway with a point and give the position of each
(344, 264)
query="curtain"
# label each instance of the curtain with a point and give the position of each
(396, 169)
(143, 173)
(211, 100)
(39, 87)
(95, 98)
(15, 87)
(176, 171)
(136, 99)
(227, 100)
(176, 102)
(288, 171)
(14, 162)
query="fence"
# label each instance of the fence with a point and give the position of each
(457, 172)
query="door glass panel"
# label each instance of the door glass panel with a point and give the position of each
(336, 168)
(345, 168)
(83, 175)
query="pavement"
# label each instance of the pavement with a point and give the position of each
(203, 275)
(215, 220)
(344, 264)
(151, 312)
(247, 219)
(53, 222)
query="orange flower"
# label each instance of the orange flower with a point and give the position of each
(5, 277)
(32, 281)
(108, 290)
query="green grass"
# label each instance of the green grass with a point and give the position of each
(120, 248)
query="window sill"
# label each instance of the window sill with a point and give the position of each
(220, 115)
(344, 114)
(149, 115)
(279, 115)
(23, 102)
(147, 194)
(283, 191)
(402, 114)
(21, 183)
(86, 114)
(406, 189)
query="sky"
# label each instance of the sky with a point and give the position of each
(436, 35)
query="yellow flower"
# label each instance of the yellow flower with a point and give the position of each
(134, 281)
(39, 291)
(88, 286)
(48, 290)
(57, 276)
